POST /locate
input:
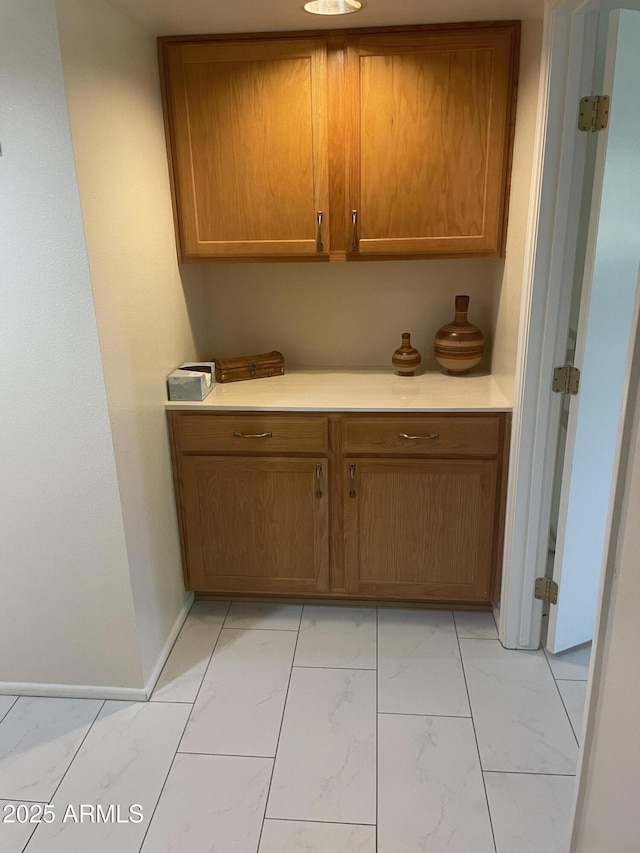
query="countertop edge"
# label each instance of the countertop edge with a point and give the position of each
(353, 391)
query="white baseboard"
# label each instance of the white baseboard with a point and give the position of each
(73, 691)
(166, 649)
(92, 691)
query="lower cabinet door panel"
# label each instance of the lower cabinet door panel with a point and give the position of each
(256, 525)
(420, 529)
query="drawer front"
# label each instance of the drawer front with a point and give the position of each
(443, 436)
(267, 434)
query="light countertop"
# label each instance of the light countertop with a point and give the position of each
(355, 391)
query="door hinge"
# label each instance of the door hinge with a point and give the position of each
(546, 590)
(594, 113)
(566, 379)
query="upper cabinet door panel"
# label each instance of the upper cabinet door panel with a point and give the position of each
(249, 147)
(430, 140)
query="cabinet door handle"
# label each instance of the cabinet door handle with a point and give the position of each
(254, 435)
(318, 480)
(352, 476)
(354, 230)
(319, 243)
(433, 437)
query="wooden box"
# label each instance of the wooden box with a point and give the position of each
(249, 367)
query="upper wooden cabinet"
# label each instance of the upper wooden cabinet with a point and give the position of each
(247, 127)
(351, 145)
(429, 143)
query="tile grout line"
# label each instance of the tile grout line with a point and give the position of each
(320, 822)
(531, 773)
(11, 706)
(155, 808)
(206, 670)
(347, 668)
(555, 681)
(75, 755)
(437, 716)
(475, 735)
(284, 710)
(164, 785)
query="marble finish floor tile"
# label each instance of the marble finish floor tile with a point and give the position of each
(124, 760)
(240, 705)
(211, 804)
(325, 769)
(530, 813)
(13, 834)
(574, 696)
(287, 836)
(419, 668)
(253, 614)
(472, 625)
(520, 721)
(572, 664)
(6, 704)
(38, 740)
(337, 637)
(430, 791)
(184, 670)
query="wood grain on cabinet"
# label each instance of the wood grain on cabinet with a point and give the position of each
(256, 525)
(420, 529)
(430, 139)
(248, 126)
(407, 129)
(340, 506)
(422, 436)
(242, 433)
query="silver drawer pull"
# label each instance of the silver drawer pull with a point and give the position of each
(433, 437)
(250, 435)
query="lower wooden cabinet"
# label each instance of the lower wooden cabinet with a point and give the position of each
(256, 525)
(384, 507)
(420, 528)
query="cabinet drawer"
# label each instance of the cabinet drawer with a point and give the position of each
(241, 433)
(443, 436)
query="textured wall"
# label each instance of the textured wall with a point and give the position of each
(143, 307)
(66, 611)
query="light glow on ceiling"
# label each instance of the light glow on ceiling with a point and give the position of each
(333, 7)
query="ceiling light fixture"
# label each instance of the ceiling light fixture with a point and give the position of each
(333, 7)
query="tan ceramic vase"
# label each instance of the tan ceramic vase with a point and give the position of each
(459, 345)
(406, 358)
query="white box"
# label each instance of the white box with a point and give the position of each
(191, 381)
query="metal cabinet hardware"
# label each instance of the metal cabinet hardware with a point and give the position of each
(354, 230)
(433, 437)
(352, 475)
(319, 243)
(253, 435)
(318, 480)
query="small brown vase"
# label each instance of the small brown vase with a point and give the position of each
(406, 358)
(459, 345)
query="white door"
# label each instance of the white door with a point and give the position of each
(605, 329)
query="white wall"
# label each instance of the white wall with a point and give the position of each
(352, 314)
(143, 307)
(66, 609)
(508, 310)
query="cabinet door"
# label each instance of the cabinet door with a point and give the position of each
(247, 121)
(430, 141)
(421, 529)
(255, 525)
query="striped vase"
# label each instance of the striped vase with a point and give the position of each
(459, 345)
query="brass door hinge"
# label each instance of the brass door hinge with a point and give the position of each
(594, 113)
(546, 590)
(566, 379)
